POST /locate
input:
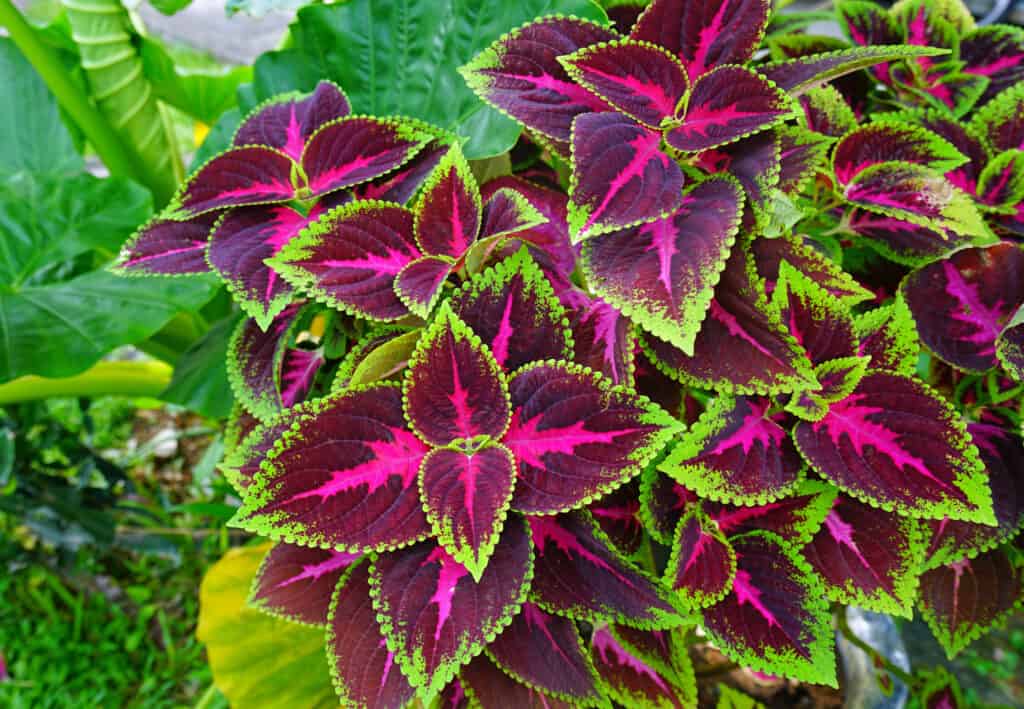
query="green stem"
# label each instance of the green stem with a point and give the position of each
(114, 153)
(103, 379)
(880, 660)
(208, 698)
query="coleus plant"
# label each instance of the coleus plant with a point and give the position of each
(520, 443)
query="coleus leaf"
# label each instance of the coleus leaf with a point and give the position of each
(995, 52)
(603, 340)
(513, 309)
(242, 241)
(1002, 452)
(454, 388)
(702, 566)
(576, 436)
(1001, 183)
(466, 496)
(902, 241)
(775, 618)
(963, 138)
(343, 477)
(449, 211)
(897, 445)
(249, 174)
(643, 80)
(941, 691)
(363, 667)
(242, 463)
(962, 600)
(579, 574)
(349, 258)
(917, 195)
(727, 104)
(756, 162)
(662, 502)
(887, 142)
(1010, 346)
(827, 112)
(821, 323)
(255, 360)
(1000, 123)
(769, 254)
(802, 154)
(419, 284)
(296, 582)
(632, 681)
(287, 123)
(868, 557)
(796, 518)
(490, 686)
(402, 184)
(435, 617)
(620, 176)
(618, 516)
(962, 303)
(887, 335)
(662, 274)
(507, 212)
(837, 378)
(664, 650)
(519, 74)
(798, 75)
(168, 248)
(704, 35)
(764, 356)
(868, 23)
(736, 452)
(545, 652)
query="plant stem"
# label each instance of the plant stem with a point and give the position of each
(878, 658)
(114, 153)
(103, 379)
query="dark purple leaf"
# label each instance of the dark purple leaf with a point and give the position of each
(576, 436)
(364, 669)
(819, 321)
(963, 600)
(795, 518)
(400, 185)
(868, 23)
(344, 478)
(635, 683)
(888, 336)
(288, 123)
(254, 364)
(886, 142)
(350, 257)
(578, 574)
(640, 79)
(603, 340)
(418, 285)
(618, 516)
(996, 53)
(242, 463)
(827, 112)
(508, 212)
(802, 155)
(520, 74)
(725, 105)
(1010, 346)
(448, 213)
(620, 175)
(435, 616)
(662, 502)
(454, 388)
(775, 618)
(513, 310)
(1001, 121)
(248, 175)
(897, 445)
(798, 75)
(168, 248)
(357, 149)
(812, 263)
(545, 652)
(965, 141)
(703, 564)
(662, 274)
(705, 35)
(490, 686)
(298, 372)
(867, 557)
(466, 497)
(1001, 183)
(962, 303)
(902, 241)
(736, 452)
(297, 582)
(941, 691)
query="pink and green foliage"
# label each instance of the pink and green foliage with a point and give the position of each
(723, 341)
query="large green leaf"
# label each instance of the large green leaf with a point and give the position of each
(33, 137)
(258, 660)
(259, 8)
(200, 380)
(60, 329)
(402, 56)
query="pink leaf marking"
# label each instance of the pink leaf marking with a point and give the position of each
(972, 310)
(747, 593)
(754, 429)
(400, 456)
(255, 189)
(613, 653)
(341, 172)
(727, 522)
(958, 570)
(314, 571)
(534, 618)
(995, 67)
(697, 66)
(698, 549)
(646, 145)
(545, 529)
(663, 240)
(163, 254)
(387, 663)
(447, 580)
(505, 331)
(573, 92)
(847, 417)
(529, 445)
(842, 533)
(294, 144)
(391, 263)
(700, 119)
(286, 224)
(652, 92)
(460, 400)
(735, 329)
